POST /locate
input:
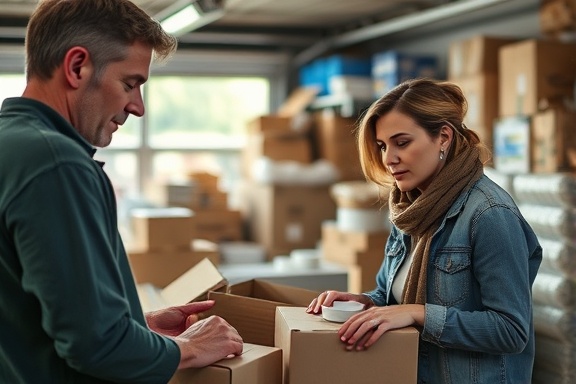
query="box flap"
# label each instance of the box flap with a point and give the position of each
(194, 284)
(298, 101)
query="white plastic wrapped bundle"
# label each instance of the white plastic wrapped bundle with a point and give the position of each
(557, 323)
(267, 171)
(551, 222)
(558, 257)
(558, 189)
(502, 179)
(553, 290)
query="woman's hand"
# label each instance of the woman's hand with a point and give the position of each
(365, 328)
(328, 297)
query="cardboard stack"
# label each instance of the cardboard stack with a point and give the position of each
(357, 238)
(535, 129)
(336, 142)
(283, 136)
(163, 245)
(287, 217)
(473, 65)
(213, 220)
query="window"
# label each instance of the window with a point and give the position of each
(11, 85)
(197, 106)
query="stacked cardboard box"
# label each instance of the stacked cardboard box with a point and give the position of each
(473, 65)
(287, 217)
(213, 220)
(535, 128)
(163, 245)
(335, 139)
(283, 136)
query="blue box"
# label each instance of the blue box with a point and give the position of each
(390, 68)
(319, 71)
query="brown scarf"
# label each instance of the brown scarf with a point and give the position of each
(419, 215)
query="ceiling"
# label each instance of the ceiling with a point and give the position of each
(291, 24)
(303, 28)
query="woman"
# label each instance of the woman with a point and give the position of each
(460, 260)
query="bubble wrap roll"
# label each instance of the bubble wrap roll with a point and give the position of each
(558, 189)
(558, 257)
(551, 222)
(557, 323)
(553, 290)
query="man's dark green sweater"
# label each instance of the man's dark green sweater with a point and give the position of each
(69, 307)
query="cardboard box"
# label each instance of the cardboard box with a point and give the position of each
(157, 229)
(336, 142)
(219, 225)
(557, 16)
(313, 353)
(192, 285)
(554, 141)
(161, 268)
(535, 70)
(361, 252)
(477, 55)
(512, 145)
(250, 307)
(258, 364)
(481, 92)
(287, 217)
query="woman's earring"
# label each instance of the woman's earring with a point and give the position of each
(441, 154)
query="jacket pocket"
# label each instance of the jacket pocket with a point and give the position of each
(451, 276)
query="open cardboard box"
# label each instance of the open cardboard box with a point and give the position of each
(250, 307)
(314, 354)
(258, 364)
(193, 285)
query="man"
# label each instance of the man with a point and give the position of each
(69, 306)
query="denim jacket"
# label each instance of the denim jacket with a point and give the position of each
(483, 260)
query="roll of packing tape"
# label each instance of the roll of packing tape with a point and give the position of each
(282, 263)
(305, 258)
(354, 219)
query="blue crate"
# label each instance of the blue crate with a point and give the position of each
(391, 68)
(319, 71)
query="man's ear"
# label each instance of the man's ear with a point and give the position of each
(76, 66)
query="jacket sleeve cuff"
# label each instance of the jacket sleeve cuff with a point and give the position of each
(434, 323)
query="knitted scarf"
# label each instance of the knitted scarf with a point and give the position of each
(419, 215)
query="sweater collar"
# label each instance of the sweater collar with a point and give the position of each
(53, 119)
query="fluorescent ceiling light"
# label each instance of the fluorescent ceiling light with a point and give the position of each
(186, 16)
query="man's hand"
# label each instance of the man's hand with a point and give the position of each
(173, 321)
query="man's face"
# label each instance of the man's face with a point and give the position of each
(105, 104)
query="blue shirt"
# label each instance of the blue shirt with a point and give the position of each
(483, 260)
(69, 307)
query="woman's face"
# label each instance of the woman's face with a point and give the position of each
(408, 152)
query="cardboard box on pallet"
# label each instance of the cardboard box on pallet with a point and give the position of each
(314, 354)
(250, 307)
(258, 364)
(160, 268)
